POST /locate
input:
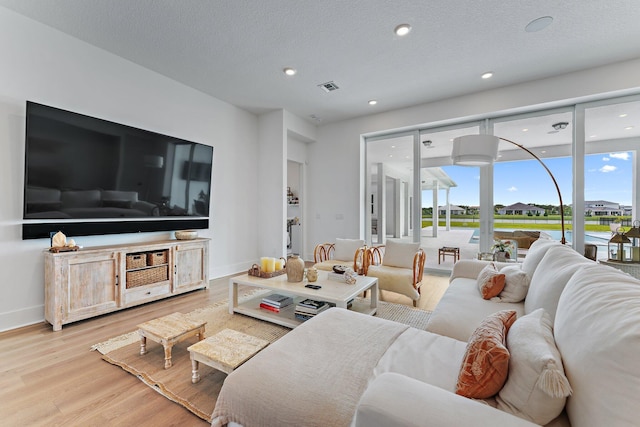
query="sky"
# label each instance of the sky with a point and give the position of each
(607, 177)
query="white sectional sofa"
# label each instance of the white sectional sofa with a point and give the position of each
(343, 368)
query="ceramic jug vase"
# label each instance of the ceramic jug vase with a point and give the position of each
(294, 269)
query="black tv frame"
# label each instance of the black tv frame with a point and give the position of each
(72, 229)
(38, 229)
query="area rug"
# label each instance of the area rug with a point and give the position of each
(200, 398)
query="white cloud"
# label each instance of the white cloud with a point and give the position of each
(607, 168)
(512, 189)
(621, 156)
(605, 159)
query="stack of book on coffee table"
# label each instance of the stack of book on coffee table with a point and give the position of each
(275, 302)
(308, 308)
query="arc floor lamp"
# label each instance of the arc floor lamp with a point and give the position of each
(482, 150)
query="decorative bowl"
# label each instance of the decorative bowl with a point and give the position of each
(186, 234)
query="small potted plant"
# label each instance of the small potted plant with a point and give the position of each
(500, 250)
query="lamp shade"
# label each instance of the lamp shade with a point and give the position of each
(474, 150)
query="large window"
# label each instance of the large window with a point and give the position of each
(590, 149)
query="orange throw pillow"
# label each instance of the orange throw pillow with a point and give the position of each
(490, 281)
(485, 365)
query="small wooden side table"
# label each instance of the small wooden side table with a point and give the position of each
(224, 351)
(446, 250)
(168, 331)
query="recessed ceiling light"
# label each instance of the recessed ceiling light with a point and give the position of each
(390, 155)
(525, 130)
(487, 75)
(543, 151)
(402, 30)
(373, 102)
(538, 24)
(593, 136)
(290, 71)
(393, 146)
(623, 115)
(628, 128)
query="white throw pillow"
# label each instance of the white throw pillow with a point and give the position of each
(516, 284)
(345, 249)
(536, 252)
(537, 387)
(399, 254)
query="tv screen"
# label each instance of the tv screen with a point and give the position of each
(81, 169)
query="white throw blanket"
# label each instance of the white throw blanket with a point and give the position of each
(313, 376)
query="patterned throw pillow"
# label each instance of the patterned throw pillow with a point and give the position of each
(490, 281)
(485, 365)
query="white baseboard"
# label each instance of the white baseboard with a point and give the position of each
(24, 317)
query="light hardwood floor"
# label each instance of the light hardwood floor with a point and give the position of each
(53, 379)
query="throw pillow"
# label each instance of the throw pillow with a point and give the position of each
(345, 249)
(516, 284)
(485, 365)
(537, 388)
(490, 281)
(399, 254)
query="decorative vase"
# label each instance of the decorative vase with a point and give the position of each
(501, 256)
(312, 274)
(294, 269)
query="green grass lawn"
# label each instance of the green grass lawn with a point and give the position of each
(522, 224)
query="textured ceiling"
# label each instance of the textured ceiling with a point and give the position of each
(235, 50)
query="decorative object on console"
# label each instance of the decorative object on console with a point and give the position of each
(294, 269)
(482, 150)
(634, 233)
(59, 243)
(619, 247)
(186, 234)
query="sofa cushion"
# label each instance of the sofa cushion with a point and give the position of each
(427, 357)
(550, 277)
(485, 365)
(516, 284)
(535, 254)
(490, 281)
(461, 310)
(597, 330)
(345, 249)
(536, 388)
(399, 254)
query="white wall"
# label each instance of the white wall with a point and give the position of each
(43, 65)
(334, 175)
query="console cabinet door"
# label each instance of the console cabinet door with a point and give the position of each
(190, 269)
(90, 285)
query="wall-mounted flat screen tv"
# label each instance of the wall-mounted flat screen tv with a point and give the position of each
(89, 176)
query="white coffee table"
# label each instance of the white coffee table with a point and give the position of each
(338, 293)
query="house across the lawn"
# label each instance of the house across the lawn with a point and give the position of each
(521, 209)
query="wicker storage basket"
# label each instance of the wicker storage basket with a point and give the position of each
(136, 261)
(147, 276)
(157, 258)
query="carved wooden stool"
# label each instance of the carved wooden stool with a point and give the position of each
(224, 351)
(168, 331)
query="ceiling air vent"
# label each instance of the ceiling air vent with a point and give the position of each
(328, 86)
